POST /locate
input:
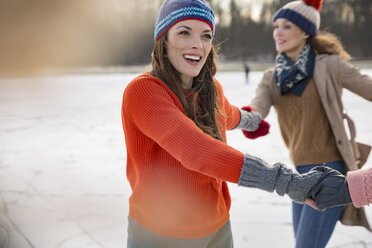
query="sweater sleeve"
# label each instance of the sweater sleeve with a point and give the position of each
(158, 114)
(360, 186)
(232, 112)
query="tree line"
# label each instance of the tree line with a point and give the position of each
(244, 36)
(70, 33)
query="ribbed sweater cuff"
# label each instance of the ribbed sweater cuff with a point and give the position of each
(357, 188)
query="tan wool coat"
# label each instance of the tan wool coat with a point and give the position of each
(331, 76)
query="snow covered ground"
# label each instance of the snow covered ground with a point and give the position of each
(62, 166)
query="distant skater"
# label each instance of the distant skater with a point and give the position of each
(246, 70)
(305, 89)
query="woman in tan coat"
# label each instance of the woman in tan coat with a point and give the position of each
(305, 89)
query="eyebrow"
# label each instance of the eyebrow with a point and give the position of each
(188, 28)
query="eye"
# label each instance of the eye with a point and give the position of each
(276, 26)
(287, 26)
(184, 32)
(207, 36)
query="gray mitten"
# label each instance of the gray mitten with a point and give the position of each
(249, 120)
(257, 173)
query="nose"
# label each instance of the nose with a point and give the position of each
(278, 32)
(196, 42)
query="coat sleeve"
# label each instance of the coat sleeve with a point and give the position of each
(351, 79)
(263, 99)
(360, 186)
(157, 113)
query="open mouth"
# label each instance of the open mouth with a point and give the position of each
(192, 59)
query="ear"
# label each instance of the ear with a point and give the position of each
(306, 36)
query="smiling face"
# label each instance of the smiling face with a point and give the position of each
(289, 38)
(188, 45)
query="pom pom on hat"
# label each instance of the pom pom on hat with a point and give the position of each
(173, 11)
(317, 4)
(303, 13)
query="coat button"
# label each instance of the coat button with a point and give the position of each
(339, 142)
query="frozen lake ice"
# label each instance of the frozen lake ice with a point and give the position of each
(62, 165)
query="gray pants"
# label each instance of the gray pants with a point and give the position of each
(140, 237)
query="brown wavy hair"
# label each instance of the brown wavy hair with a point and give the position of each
(202, 106)
(328, 43)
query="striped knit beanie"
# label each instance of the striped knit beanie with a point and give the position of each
(173, 11)
(302, 13)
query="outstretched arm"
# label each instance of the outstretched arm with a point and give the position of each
(257, 173)
(159, 118)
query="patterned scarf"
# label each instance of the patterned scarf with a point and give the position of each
(291, 77)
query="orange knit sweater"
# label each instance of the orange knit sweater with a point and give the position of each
(177, 172)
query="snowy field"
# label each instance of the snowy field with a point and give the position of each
(62, 166)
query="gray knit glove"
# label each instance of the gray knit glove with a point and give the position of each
(249, 120)
(257, 173)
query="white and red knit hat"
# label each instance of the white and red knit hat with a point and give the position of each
(305, 14)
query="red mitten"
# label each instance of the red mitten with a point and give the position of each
(248, 108)
(262, 130)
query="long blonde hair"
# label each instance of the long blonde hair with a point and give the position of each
(328, 43)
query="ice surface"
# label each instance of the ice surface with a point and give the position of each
(62, 165)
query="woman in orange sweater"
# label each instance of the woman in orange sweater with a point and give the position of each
(178, 163)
